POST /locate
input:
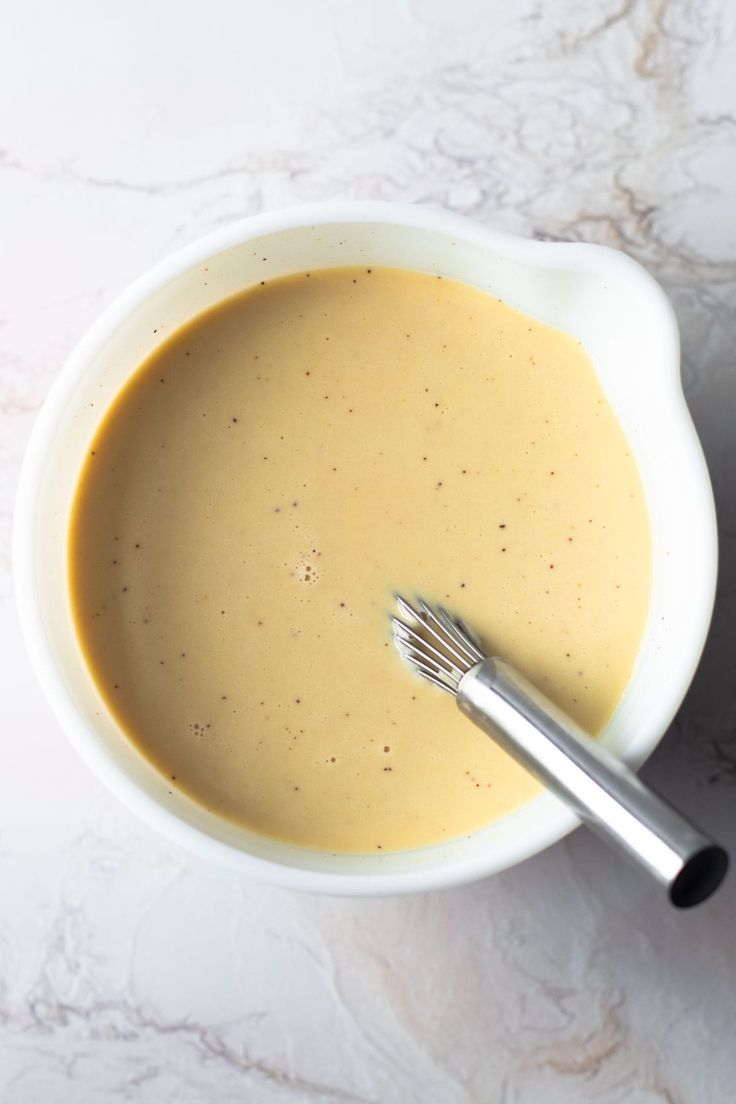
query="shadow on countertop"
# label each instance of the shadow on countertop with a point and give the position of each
(695, 765)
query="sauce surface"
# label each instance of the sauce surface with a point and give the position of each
(282, 465)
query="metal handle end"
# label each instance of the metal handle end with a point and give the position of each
(700, 876)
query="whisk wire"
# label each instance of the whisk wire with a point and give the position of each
(461, 636)
(431, 623)
(434, 644)
(411, 638)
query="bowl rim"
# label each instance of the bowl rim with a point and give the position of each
(578, 256)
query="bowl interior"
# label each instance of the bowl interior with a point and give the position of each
(599, 296)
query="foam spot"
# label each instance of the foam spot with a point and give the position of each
(305, 570)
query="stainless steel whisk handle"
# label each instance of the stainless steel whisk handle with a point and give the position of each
(599, 788)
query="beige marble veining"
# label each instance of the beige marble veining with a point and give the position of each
(130, 971)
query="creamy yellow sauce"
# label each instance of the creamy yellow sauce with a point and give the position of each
(281, 466)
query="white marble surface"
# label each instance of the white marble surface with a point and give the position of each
(132, 972)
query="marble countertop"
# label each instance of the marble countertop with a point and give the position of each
(130, 971)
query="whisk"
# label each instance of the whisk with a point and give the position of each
(597, 786)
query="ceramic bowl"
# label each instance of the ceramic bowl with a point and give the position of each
(600, 296)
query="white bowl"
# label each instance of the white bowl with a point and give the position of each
(600, 296)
